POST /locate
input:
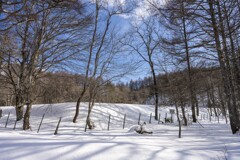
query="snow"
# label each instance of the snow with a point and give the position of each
(214, 141)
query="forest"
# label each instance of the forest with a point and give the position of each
(187, 52)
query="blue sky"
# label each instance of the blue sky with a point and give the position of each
(124, 23)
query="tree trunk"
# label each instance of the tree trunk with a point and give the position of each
(184, 115)
(235, 63)
(191, 88)
(19, 113)
(19, 107)
(235, 124)
(88, 65)
(222, 104)
(78, 106)
(179, 122)
(89, 123)
(234, 120)
(26, 120)
(197, 106)
(155, 91)
(79, 101)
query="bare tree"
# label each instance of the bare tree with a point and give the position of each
(220, 22)
(47, 36)
(217, 23)
(101, 52)
(177, 17)
(144, 40)
(176, 85)
(9, 9)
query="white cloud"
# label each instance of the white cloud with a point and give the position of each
(110, 3)
(116, 2)
(143, 9)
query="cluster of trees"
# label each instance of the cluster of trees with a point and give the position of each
(35, 36)
(40, 37)
(201, 30)
(186, 34)
(174, 87)
(191, 48)
(62, 87)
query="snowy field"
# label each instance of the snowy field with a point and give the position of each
(213, 142)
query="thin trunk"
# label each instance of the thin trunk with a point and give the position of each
(191, 89)
(184, 114)
(176, 100)
(89, 123)
(26, 120)
(179, 122)
(197, 106)
(78, 105)
(155, 91)
(94, 35)
(222, 104)
(88, 64)
(210, 112)
(209, 104)
(213, 103)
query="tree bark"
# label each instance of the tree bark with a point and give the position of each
(234, 59)
(91, 102)
(19, 107)
(179, 122)
(191, 88)
(184, 114)
(235, 113)
(86, 83)
(26, 120)
(234, 120)
(155, 90)
(78, 105)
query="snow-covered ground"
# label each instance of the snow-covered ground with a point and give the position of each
(213, 142)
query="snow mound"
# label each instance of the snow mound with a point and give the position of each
(133, 128)
(141, 129)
